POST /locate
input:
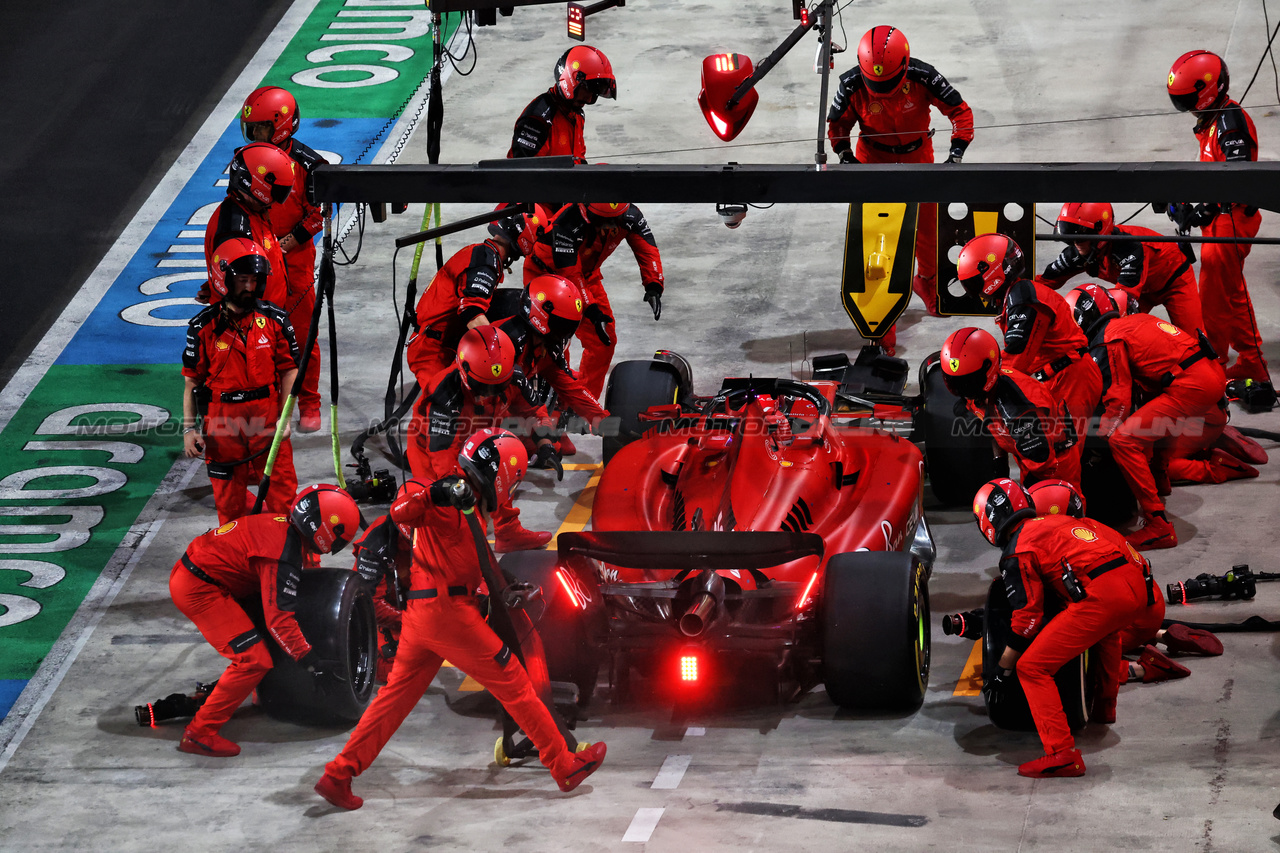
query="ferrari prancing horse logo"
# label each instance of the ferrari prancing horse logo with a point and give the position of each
(955, 365)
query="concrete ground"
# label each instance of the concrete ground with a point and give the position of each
(1190, 765)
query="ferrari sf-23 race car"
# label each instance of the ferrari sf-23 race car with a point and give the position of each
(768, 525)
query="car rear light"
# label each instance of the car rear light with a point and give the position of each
(568, 588)
(804, 596)
(688, 668)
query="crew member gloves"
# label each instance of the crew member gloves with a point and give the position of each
(653, 295)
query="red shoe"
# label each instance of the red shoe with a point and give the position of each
(1247, 370)
(338, 792)
(309, 420)
(517, 538)
(927, 289)
(585, 763)
(1156, 666)
(1223, 467)
(213, 745)
(1155, 532)
(1063, 764)
(566, 447)
(1181, 639)
(1241, 446)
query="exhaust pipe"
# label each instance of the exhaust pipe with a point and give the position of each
(708, 592)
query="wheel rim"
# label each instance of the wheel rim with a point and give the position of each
(361, 643)
(920, 608)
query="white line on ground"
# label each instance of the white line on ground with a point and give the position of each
(695, 731)
(643, 825)
(672, 772)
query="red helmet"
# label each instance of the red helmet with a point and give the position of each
(326, 516)
(237, 256)
(494, 461)
(553, 306)
(1000, 504)
(262, 171)
(970, 362)
(486, 359)
(1057, 497)
(883, 55)
(1198, 81)
(269, 105)
(1090, 305)
(1085, 218)
(987, 264)
(599, 210)
(585, 68)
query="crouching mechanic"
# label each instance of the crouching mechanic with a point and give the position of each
(1105, 586)
(478, 391)
(258, 555)
(1023, 417)
(575, 244)
(443, 620)
(550, 314)
(1181, 380)
(1041, 338)
(241, 357)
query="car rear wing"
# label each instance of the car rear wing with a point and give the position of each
(691, 550)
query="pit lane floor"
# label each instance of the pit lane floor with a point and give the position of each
(1188, 766)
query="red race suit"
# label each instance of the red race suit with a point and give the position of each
(1228, 135)
(1025, 419)
(459, 292)
(895, 129)
(1042, 340)
(1106, 587)
(1153, 273)
(443, 622)
(255, 557)
(239, 359)
(232, 219)
(576, 247)
(549, 126)
(1182, 385)
(447, 414)
(538, 361)
(304, 220)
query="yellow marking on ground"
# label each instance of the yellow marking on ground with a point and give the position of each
(581, 466)
(470, 685)
(446, 663)
(970, 683)
(580, 514)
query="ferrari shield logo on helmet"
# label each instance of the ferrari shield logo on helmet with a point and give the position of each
(1171, 78)
(496, 370)
(578, 304)
(248, 109)
(955, 365)
(877, 69)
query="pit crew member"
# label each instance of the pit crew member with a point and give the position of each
(443, 620)
(270, 114)
(240, 357)
(251, 557)
(552, 123)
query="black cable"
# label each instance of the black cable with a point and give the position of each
(1266, 22)
(1261, 59)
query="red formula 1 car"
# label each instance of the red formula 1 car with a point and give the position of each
(767, 528)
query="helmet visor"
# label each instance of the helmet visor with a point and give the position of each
(885, 87)
(967, 386)
(1075, 229)
(280, 192)
(257, 131)
(974, 285)
(1186, 102)
(602, 87)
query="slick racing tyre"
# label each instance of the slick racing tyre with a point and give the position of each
(875, 630)
(562, 625)
(1074, 684)
(634, 386)
(335, 613)
(957, 450)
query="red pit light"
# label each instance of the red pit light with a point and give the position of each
(804, 17)
(804, 596)
(721, 76)
(689, 668)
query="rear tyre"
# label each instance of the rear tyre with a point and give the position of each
(875, 630)
(634, 386)
(335, 613)
(957, 450)
(1074, 684)
(561, 625)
